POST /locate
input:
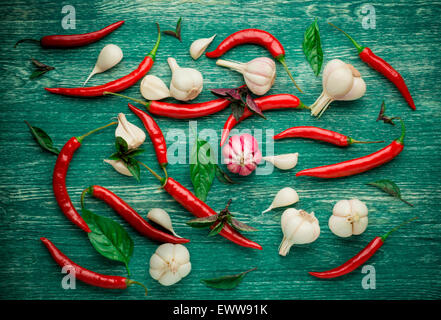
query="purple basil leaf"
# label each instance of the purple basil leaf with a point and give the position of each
(253, 106)
(237, 110)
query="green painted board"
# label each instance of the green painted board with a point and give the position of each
(406, 35)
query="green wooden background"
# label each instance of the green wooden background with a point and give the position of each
(407, 35)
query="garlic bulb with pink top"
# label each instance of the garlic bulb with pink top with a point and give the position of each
(242, 154)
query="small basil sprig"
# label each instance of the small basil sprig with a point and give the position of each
(226, 282)
(202, 168)
(222, 176)
(312, 47)
(177, 32)
(41, 69)
(127, 156)
(109, 238)
(218, 221)
(389, 187)
(42, 139)
(382, 116)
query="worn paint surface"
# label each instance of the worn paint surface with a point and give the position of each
(406, 35)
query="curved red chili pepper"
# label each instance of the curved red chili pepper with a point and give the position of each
(267, 103)
(253, 36)
(155, 134)
(75, 40)
(200, 209)
(320, 134)
(59, 183)
(186, 111)
(359, 165)
(115, 85)
(132, 217)
(90, 277)
(382, 67)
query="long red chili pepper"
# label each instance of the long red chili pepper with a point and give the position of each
(115, 85)
(155, 134)
(90, 277)
(382, 67)
(180, 110)
(200, 209)
(267, 103)
(253, 36)
(359, 259)
(59, 179)
(131, 216)
(74, 40)
(320, 134)
(359, 165)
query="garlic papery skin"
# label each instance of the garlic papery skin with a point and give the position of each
(341, 81)
(259, 74)
(133, 135)
(198, 47)
(348, 217)
(242, 154)
(283, 161)
(298, 227)
(153, 88)
(170, 263)
(109, 57)
(162, 218)
(285, 197)
(186, 83)
(119, 166)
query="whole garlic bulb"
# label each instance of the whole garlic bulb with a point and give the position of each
(170, 263)
(153, 88)
(133, 135)
(259, 74)
(348, 217)
(341, 81)
(186, 83)
(299, 227)
(242, 154)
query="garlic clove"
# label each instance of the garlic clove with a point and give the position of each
(153, 88)
(358, 207)
(283, 161)
(198, 47)
(169, 278)
(162, 218)
(357, 91)
(133, 135)
(339, 82)
(184, 269)
(157, 273)
(156, 262)
(119, 166)
(330, 67)
(186, 83)
(342, 208)
(285, 197)
(109, 57)
(360, 226)
(165, 251)
(340, 226)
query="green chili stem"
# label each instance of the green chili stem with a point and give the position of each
(384, 236)
(152, 53)
(157, 176)
(403, 132)
(80, 138)
(359, 47)
(351, 141)
(144, 103)
(130, 282)
(281, 59)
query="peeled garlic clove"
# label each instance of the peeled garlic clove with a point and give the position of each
(198, 47)
(109, 57)
(153, 88)
(285, 197)
(133, 135)
(283, 161)
(119, 166)
(161, 217)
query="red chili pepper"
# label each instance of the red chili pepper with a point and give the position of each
(253, 36)
(155, 134)
(90, 277)
(267, 103)
(320, 134)
(382, 67)
(115, 85)
(359, 259)
(200, 209)
(131, 216)
(59, 179)
(74, 40)
(359, 165)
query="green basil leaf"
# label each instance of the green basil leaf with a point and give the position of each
(226, 282)
(42, 139)
(389, 187)
(204, 222)
(202, 168)
(37, 73)
(222, 176)
(133, 166)
(177, 32)
(134, 152)
(216, 229)
(115, 156)
(109, 238)
(312, 47)
(121, 145)
(240, 226)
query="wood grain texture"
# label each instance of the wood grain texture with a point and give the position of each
(407, 35)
